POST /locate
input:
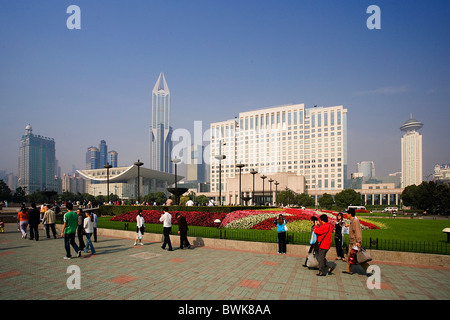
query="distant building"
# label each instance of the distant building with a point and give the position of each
(367, 168)
(411, 145)
(113, 158)
(103, 156)
(73, 183)
(160, 130)
(196, 168)
(123, 181)
(92, 158)
(442, 173)
(37, 163)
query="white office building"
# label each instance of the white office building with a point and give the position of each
(308, 142)
(411, 153)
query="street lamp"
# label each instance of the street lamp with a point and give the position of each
(175, 161)
(107, 166)
(271, 195)
(263, 177)
(253, 172)
(276, 192)
(138, 164)
(240, 166)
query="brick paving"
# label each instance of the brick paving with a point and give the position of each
(36, 270)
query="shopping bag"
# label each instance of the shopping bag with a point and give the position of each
(312, 260)
(363, 256)
(352, 256)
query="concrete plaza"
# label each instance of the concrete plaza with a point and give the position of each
(36, 270)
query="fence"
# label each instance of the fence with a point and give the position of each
(300, 238)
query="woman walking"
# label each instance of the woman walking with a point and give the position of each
(88, 225)
(339, 237)
(140, 227)
(22, 216)
(281, 230)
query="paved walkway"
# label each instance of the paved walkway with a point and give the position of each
(33, 270)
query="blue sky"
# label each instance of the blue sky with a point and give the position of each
(221, 58)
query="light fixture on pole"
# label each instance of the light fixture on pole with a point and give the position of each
(220, 157)
(138, 164)
(271, 195)
(276, 192)
(107, 166)
(253, 172)
(263, 177)
(240, 166)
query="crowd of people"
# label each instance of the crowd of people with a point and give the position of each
(84, 226)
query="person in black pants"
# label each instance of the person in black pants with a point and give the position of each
(166, 219)
(338, 236)
(182, 230)
(80, 228)
(33, 222)
(314, 221)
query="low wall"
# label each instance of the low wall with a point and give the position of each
(379, 256)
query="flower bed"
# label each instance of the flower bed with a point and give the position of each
(193, 218)
(297, 219)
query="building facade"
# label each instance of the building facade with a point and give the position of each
(308, 142)
(411, 158)
(160, 130)
(37, 163)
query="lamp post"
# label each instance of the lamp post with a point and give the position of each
(276, 192)
(138, 164)
(175, 161)
(107, 166)
(271, 195)
(263, 177)
(240, 166)
(253, 172)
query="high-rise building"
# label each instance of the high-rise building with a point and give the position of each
(309, 142)
(113, 158)
(411, 153)
(160, 130)
(92, 158)
(103, 153)
(367, 168)
(195, 167)
(37, 163)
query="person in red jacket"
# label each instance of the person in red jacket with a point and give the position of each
(323, 231)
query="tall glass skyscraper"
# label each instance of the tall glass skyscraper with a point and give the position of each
(161, 131)
(37, 163)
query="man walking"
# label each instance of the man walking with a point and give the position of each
(68, 231)
(182, 230)
(355, 239)
(49, 221)
(166, 219)
(33, 222)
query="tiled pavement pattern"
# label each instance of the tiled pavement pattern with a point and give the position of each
(119, 271)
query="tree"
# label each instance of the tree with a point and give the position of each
(286, 197)
(202, 200)
(348, 197)
(19, 195)
(326, 201)
(304, 200)
(5, 192)
(409, 196)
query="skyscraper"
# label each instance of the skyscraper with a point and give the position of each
(103, 153)
(160, 130)
(411, 153)
(92, 158)
(113, 158)
(37, 163)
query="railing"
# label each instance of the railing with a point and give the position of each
(301, 238)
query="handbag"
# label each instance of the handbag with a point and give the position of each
(313, 239)
(363, 256)
(312, 260)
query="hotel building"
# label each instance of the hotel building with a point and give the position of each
(411, 153)
(310, 143)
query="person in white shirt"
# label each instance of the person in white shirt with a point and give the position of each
(189, 203)
(166, 219)
(140, 226)
(89, 229)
